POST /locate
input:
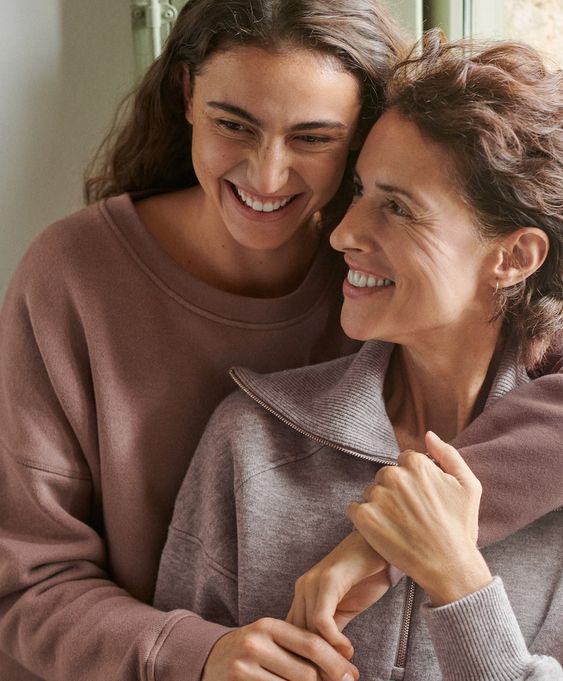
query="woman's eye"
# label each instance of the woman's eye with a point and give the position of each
(231, 125)
(313, 139)
(396, 209)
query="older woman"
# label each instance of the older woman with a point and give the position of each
(453, 245)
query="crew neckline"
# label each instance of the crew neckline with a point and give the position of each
(122, 217)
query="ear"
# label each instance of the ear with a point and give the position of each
(521, 253)
(187, 87)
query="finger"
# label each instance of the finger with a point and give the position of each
(314, 649)
(320, 618)
(279, 663)
(447, 457)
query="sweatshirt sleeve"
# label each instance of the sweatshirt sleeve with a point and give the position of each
(519, 439)
(61, 616)
(198, 567)
(478, 639)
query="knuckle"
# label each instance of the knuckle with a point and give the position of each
(318, 621)
(416, 461)
(386, 474)
(250, 645)
(264, 625)
(406, 456)
(364, 514)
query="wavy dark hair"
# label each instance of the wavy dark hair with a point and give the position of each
(148, 147)
(498, 111)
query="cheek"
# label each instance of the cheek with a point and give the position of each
(213, 157)
(324, 172)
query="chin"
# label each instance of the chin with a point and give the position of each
(362, 332)
(356, 333)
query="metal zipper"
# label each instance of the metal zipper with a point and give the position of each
(311, 436)
(401, 658)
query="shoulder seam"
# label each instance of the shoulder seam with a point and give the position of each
(277, 464)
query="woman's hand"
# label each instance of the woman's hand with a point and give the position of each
(273, 650)
(338, 588)
(422, 516)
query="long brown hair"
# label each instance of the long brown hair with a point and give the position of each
(148, 147)
(498, 111)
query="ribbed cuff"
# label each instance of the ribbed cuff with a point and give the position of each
(183, 648)
(478, 638)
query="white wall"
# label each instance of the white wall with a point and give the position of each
(64, 66)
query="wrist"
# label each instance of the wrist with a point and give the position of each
(455, 582)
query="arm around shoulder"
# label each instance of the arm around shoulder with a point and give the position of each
(519, 438)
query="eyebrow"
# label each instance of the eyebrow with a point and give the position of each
(392, 189)
(247, 116)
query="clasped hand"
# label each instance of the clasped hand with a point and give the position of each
(420, 516)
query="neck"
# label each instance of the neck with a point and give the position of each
(216, 258)
(179, 222)
(439, 388)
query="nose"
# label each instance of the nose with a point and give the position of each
(269, 168)
(351, 233)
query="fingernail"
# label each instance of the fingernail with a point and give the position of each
(347, 677)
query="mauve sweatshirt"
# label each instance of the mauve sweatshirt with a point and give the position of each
(112, 359)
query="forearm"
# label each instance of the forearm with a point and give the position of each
(61, 617)
(517, 442)
(100, 633)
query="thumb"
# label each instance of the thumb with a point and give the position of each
(447, 457)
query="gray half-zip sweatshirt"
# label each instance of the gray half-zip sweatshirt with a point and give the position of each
(265, 499)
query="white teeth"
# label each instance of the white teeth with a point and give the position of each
(267, 207)
(361, 280)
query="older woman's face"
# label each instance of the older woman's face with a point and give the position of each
(417, 265)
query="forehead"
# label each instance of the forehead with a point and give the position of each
(397, 152)
(294, 81)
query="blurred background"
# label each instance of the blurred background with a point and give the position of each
(66, 64)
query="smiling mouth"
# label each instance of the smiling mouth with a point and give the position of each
(266, 206)
(362, 280)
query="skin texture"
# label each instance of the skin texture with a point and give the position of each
(284, 131)
(408, 224)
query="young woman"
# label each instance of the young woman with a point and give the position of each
(454, 246)
(207, 248)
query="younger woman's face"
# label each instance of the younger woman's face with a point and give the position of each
(271, 136)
